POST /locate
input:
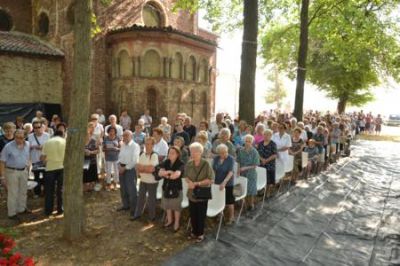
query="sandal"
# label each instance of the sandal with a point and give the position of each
(168, 225)
(200, 239)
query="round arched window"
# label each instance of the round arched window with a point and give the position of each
(153, 15)
(5, 21)
(43, 24)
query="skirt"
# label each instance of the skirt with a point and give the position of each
(90, 175)
(172, 204)
(229, 198)
(251, 185)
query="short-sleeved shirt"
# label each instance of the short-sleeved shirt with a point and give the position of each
(91, 146)
(110, 151)
(145, 159)
(284, 141)
(161, 148)
(15, 157)
(312, 152)
(139, 138)
(297, 146)
(35, 154)
(54, 149)
(198, 173)
(231, 148)
(222, 169)
(319, 138)
(119, 128)
(267, 151)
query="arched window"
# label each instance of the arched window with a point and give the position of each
(177, 66)
(122, 101)
(5, 21)
(125, 64)
(151, 64)
(203, 71)
(152, 102)
(153, 15)
(191, 69)
(43, 24)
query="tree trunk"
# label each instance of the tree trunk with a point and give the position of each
(74, 217)
(302, 61)
(341, 107)
(248, 61)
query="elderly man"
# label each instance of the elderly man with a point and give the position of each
(113, 123)
(161, 146)
(36, 141)
(53, 154)
(190, 128)
(128, 158)
(14, 163)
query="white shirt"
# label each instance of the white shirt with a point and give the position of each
(147, 120)
(214, 129)
(119, 128)
(35, 154)
(161, 148)
(284, 141)
(148, 160)
(129, 154)
(102, 119)
(303, 135)
(98, 130)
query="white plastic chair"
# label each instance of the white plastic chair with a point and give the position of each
(243, 183)
(279, 170)
(216, 205)
(289, 164)
(262, 182)
(159, 189)
(185, 200)
(304, 159)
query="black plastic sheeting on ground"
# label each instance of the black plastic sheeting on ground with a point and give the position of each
(8, 112)
(349, 215)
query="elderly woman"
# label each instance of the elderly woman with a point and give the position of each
(172, 170)
(202, 137)
(248, 159)
(198, 173)
(125, 120)
(238, 138)
(111, 150)
(223, 165)
(90, 176)
(224, 138)
(268, 154)
(180, 143)
(259, 134)
(296, 150)
(166, 128)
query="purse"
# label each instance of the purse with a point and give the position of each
(170, 191)
(201, 193)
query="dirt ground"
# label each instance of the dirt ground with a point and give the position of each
(110, 238)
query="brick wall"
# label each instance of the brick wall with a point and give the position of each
(20, 12)
(27, 80)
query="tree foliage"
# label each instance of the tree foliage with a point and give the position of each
(276, 93)
(352, 47)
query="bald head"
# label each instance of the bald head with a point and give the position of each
(127, 136)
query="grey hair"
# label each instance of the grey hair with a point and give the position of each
(222, 147)
(112, 116)
(196, 146)
(164, 119)
(260, 125)
(248, 136)
(268, 132)
(225, 131)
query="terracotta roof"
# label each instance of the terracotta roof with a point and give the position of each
(12, 42)
(168, 29)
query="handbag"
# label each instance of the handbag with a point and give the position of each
(170, 191)
(201, 193)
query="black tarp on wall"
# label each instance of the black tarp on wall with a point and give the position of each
(9, 111)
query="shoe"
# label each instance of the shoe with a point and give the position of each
(134, 218)
(229, 222)
(26, 211)
(200, 239)
(122, 209)
(14, 217)
(167, 225)
(176, 230)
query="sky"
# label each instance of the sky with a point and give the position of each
(228, 76)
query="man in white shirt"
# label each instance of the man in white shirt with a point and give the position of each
(128, 158)
(113, 122)
(102, 118)
(161, 146)
(148, 120)
(215, 126)
(36, 141)
(148, 160)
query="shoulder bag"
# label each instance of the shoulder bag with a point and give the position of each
(201, 193)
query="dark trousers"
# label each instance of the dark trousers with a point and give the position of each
(53, 181)
(198, 212)
(38, 189)
(151, 191)
(128, 190)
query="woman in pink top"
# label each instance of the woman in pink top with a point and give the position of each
(259, 134)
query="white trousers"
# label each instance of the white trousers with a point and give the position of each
(112, 168)
(17, 186)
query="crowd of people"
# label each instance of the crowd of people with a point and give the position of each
(121, 153)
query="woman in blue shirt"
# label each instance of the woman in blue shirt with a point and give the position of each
(223, 167)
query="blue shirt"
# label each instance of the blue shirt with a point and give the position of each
(222, 170)
(15, 157)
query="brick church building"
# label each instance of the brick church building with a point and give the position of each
(146, 56)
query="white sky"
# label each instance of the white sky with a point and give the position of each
(228, 69)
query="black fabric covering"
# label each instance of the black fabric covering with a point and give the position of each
(8, 112)
(349, 215)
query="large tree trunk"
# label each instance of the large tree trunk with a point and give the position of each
(74, 219)
(341, 107)
(302, 61)
(248, 61)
